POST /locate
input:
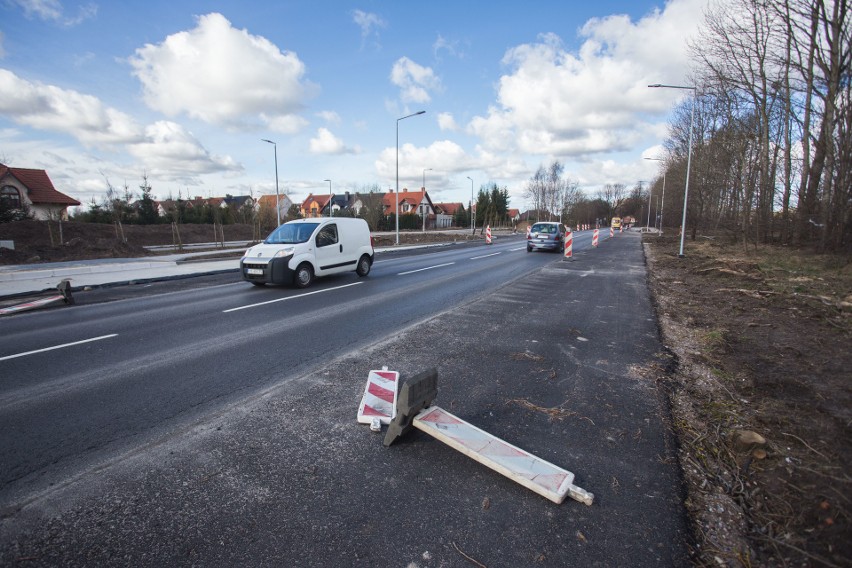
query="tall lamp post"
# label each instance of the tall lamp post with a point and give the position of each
(472, 218)
(277, 199)
(396, 212)
(688, 156)
(423, 207)
(330, 210)
(663, 201)
(648, 222)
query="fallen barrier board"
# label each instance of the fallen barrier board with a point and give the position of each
(380, 397)
(534, 473)
(35, 304)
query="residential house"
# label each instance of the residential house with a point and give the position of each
(28, 188)
(268, 202)
(237, 202)
(313, 205)
(360, 201)
(410, 202)
(446, 214)
(514, 215)
(342, 202)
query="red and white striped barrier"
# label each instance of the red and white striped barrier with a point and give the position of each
(379, 400)
(532, 472)
(529, 230)
(488, 234)
(569, 245)
(611, 232)
(595, 238)
(40, 303)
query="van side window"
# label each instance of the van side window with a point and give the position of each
(327, 235)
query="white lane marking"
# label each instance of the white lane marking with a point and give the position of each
(290, 297)
(427, 268)
(484, 256)
(58, 347)
(522, 248)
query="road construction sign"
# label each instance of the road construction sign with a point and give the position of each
(380, 394)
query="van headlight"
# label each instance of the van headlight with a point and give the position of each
(286, 251)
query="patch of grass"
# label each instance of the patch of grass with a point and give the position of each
(714, 341)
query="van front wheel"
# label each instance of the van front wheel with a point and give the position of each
(304, 275)
(364, 265)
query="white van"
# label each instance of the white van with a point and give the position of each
(300, 250)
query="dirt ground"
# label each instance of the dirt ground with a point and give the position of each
(39, 241)
(759, 379)
(760, 383)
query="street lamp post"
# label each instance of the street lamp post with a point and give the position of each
(472, 218)
(648, 221)
(663, 200)
(423, 206)
(688, 156)
(330, 210)
(396, 212)
(277, 199)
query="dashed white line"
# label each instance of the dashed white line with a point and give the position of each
(289, 298)
(58, 347)
(484, 256)
(427, 268)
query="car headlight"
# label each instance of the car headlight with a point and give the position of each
(286, 251)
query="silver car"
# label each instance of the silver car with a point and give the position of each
(546, 236)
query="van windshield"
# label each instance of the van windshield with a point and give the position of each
(291, 233)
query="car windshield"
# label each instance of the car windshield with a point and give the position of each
(544, 228)
(291, 233)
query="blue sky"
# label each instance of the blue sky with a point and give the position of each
(184, 91)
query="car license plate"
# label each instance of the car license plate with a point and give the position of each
(258, 271)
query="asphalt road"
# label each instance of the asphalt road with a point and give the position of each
(216, 426)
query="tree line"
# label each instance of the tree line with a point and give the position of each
(772, 144)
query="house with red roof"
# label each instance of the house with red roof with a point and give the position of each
(269, 201)
(313, 205)
(28, 188)
(446, 214)
(410, 202)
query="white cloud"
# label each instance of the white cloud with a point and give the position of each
(443, 156)
(443, 44)
(560, 103)
(286, 124)
(223, 76)
(51, 108)
(170, 152)
(447, 122)
(52, 11)
(327, 143)
(164, 148)
(414, 81)
(369, 23)
(329, 116)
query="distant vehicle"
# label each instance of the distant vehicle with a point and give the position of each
(616, 223)
(300, 250)
(546, 236)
